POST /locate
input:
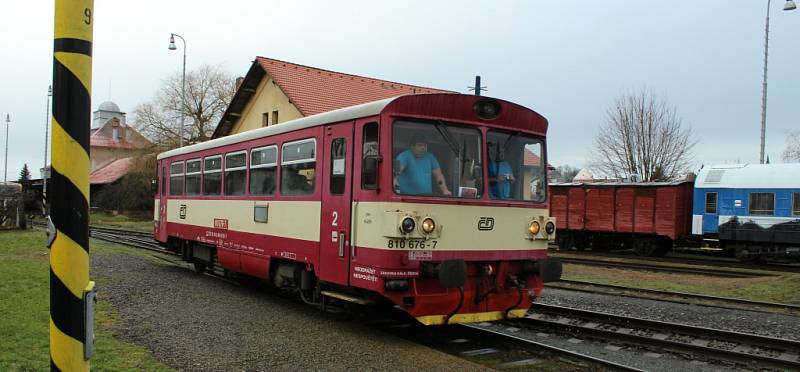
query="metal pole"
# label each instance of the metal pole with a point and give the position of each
(477, 85)
(764, 88)
(183, 84)
(71, 291)
(46, 144)
(5, 171)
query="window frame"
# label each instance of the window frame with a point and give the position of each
(187, 173)
(716, 202)
(273, 165)
(299, 161)
(364, 156)
(182, 175)
(225, 171)
(795, 203)
(259, 149)
(205, 158)
(750, 204)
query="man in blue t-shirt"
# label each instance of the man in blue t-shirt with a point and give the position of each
(500, 177)
(415, 167)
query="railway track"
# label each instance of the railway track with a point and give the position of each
(660, 267)
(773, 268)
(678, 297)
(505, 350)
(702, 342)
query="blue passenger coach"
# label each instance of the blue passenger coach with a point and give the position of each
(752, 209)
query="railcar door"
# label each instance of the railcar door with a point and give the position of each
(161, 227)
(334, 256)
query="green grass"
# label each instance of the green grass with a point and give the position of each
(138, 222)
(782, 288)
(25, 312)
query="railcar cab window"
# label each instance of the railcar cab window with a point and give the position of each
(176, 178)
(432, 158)
(193, 177)
(516, 167)
(263, 174)
(298, 167)
(235, 173)
(212, 175)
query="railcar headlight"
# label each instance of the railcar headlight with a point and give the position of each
(408, 225)
(428, 225)
(486, 108)
(550, 228)
(534, 227)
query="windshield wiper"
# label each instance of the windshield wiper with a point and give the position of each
(445, 133)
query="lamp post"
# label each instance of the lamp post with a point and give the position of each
(789, 5)
(46, 138)
(183, 78)
(5, 172)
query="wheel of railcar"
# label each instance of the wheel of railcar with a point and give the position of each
(565, 242)
(581, 243)
(746, 254)
(200, 267)
(644, 247)
(663, 246)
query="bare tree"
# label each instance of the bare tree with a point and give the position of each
(792, 152)
(209, 90)
(565, 173)
(643, 135)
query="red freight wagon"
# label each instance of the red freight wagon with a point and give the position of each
(647, 217)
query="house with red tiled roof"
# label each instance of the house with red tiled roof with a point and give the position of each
(275, 91)
(113, 145)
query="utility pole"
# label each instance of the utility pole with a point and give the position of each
(478, 88)
(5, 172)
(72, 294)
(45, 173)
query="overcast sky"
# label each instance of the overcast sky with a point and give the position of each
(568, 60)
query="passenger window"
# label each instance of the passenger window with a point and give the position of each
(193, 177)
(263, 166)
(338, 175)
(796, 204)
(762, 203)
(212, 175)
(369, 160)
(176, 178)
(235, 173)
(298, 167)
(711, 202)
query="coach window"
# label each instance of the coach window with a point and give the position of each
(235, 173)
(193, 177)
(176, 178)
(212, 175)
(298, 162)
(369, 162)
(762, 203)
(711, 202)
(337, 166)
(263, 175)
(796, 204)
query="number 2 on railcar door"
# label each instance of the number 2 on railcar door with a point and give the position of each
(336, 199)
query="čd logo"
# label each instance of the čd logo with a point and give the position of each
(486, 223)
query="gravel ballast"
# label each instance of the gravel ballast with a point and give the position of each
(196, 322)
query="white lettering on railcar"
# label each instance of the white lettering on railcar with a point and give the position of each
(214, 234)
(420, 255)
(398, 273)
(371, 278)
(289, 255)
(361, 269)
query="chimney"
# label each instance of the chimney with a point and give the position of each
(239, 81)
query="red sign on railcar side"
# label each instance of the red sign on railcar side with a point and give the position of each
(221, 223)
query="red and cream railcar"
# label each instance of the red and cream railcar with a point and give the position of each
(313, 205)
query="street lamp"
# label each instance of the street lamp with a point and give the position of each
(5, 172)
(45, 174)
(789, 5)
(183, 78)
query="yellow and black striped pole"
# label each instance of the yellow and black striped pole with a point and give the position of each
(70, 289)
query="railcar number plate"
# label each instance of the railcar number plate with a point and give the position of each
(411, 244)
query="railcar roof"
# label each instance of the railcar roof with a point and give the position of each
(347, 113)
(750, 176)
(609, 184)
